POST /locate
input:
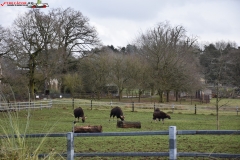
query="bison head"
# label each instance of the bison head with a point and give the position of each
(122, 118)
(83, 119)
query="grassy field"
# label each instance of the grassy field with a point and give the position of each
(59, 119)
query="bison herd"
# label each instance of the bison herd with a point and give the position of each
(117, 112)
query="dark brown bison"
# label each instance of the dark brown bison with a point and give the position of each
(78, 113)
(160, 115)
(117, 111)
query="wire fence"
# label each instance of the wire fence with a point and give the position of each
(92, 104)
(173, 108)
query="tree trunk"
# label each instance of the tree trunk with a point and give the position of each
(176, 96)
(98, 95)
(160, 93)
(167, 96)
(125, 124)
(31, 75)
(120, 94)
(87, 129)
(139, 95)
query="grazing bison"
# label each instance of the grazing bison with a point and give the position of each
(117, 111)
(160, 115)
(78, 113)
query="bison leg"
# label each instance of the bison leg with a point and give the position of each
(111, 117)
(77, 119)
(154, 119)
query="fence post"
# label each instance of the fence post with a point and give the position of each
(132, 106)
(154, 107)
(73, 103)
(195, 109)
(172, 108)
(237, 110)
(70, 147)
(172, 143)
(91, 104)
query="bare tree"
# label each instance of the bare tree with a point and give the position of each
(5, 47)
(121, 74)
(48, 59)
(40, 43)
(75, 36)
(96, 71)
(27, 46)
(186, 74)
(140, 78)
(164, 48)
(3, 41)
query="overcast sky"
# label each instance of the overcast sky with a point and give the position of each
(119, 22)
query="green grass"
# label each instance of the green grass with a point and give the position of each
(59, 119)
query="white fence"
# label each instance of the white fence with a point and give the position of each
(17, 106)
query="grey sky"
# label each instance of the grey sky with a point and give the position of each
(119, 22)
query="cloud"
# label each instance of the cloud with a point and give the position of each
(119, 22)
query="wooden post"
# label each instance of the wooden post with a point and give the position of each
(70, 147)
(154, 107)
(172, 108)
(172, 143)
(237, 110)
(132, 106)
(91, 104)
(195, 109)
(73, 103)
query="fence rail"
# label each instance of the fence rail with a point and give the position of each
(172, 154)
(134, 106)
(25, 105)
(94, 104)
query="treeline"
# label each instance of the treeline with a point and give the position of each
(60, 52)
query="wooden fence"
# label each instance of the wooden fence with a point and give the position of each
(172, 154)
